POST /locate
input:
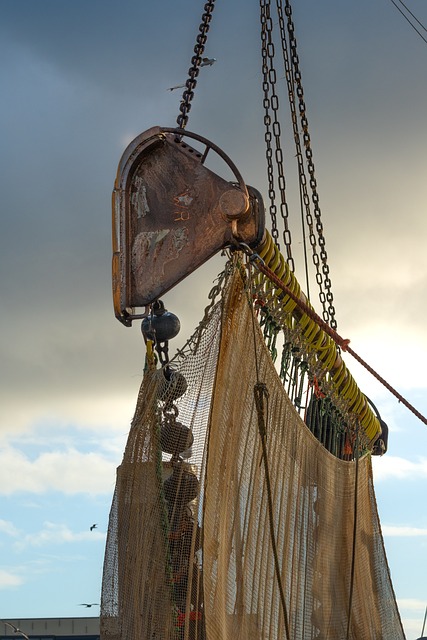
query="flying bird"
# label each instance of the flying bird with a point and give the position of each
(207, 62)
(15, 629)
(93, 527)
(88, 604)
(177, 86)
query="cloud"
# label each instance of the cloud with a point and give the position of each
(111, 413)
(26, 572)
(402, 532)
(388, 467)
(70, 472)
(412, 604)
(79, 41)
(416, 608)
(9, 579)
(54, 533)
(8, 528)
(412, 626)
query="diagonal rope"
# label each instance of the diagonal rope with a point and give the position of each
(339, 341)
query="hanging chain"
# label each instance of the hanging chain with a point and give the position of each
(322, 277)
(196, 61)
(304, 197)
(273, 131)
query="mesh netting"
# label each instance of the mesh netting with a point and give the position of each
(249, 533)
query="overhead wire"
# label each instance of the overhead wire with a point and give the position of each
(415, 18)
(408, 20)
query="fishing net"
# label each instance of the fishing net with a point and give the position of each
(230, 520)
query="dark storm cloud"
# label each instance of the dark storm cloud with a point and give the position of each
(108, 44)
(83, 76)
(63, 137)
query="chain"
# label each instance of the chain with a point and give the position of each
(273, 130)
(196, 61)
(322, 276)
(162, 349)
(305, 199)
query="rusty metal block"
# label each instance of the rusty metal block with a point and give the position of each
(171, 214)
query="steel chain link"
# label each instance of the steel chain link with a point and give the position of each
(273, 132)
(196, 61)
(305, 199)
(322, 274)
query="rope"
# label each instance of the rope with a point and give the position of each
(261, 396)
(339, 341)
(353, 552)
(321, 349)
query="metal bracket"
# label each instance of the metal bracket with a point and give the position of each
(171, 214)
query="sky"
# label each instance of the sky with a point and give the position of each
(81, 79)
